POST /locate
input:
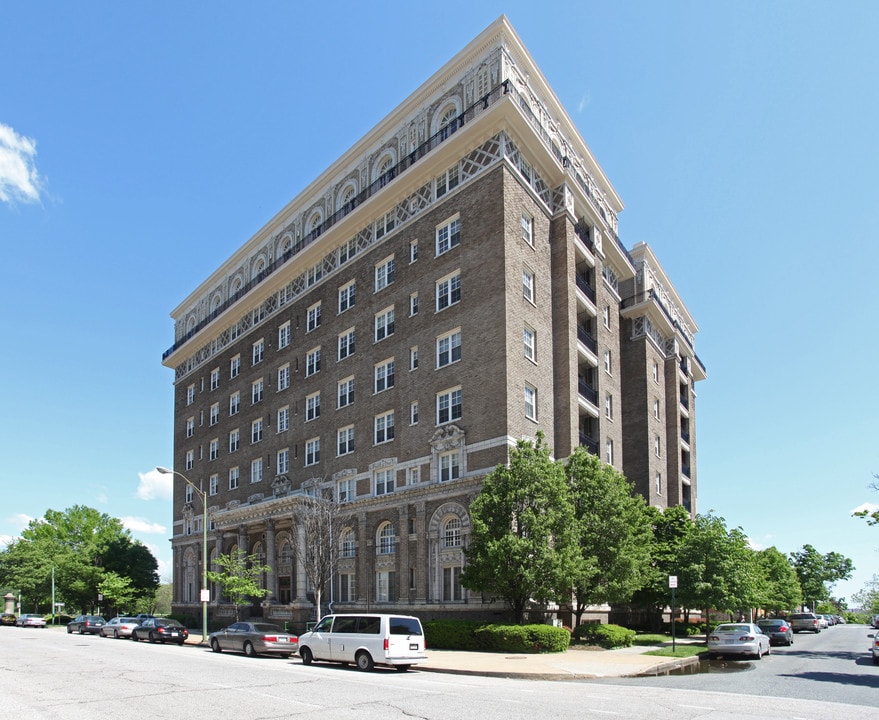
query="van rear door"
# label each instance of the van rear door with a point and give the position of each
(405, 639)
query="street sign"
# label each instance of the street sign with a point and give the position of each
(672, 581)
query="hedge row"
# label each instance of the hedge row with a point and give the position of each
(479, 636)
(606, 636)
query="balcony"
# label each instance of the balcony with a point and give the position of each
(685, 469)
(685, 436)
(585, 287)
(584, 337)
(588, 443)
(587, 391)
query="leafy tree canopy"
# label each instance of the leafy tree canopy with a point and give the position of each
(818, 573)
(239, 576)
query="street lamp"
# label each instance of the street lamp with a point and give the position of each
(205, 593)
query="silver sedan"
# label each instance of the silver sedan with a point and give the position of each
(738, 639)
(254, 638)
(119, 627)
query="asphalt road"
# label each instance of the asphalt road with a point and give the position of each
(47, 674)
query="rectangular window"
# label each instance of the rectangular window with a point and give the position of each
(256, 471)
(608, 406)
(283, 419)
(413, 358)
(449, 468)
(190, 459)
(527, 228)
(187, 497)
(413, 250)
(190, 427)
(312, 362)
(346, 392)
(346, 297)
(346, 588)
(345, 444)
(235, 366)
(448, 291)
(233, 478)
(608, 452)
(528, 285)
(385, 481)
(215, 378)
(384, 427)
(312, 451)
(452, 591)
(413, 304)
(214, 449)
(256, 390)
(190, 394)
(655, 372)
(283, 336)
(448, 349)
(607, 364)
(234, 440)
(384, 324)
(447, 181)
(283, 461)
(346, 344)
(605, 317)
(312, 407)
(384, 273)
(386, 586)
(384, 375)
(234, 403)
(214, 414)
(448, 406)
(448, 236)
(413, 476)
(384, 225)
(283, 377)
(531, 402)
(413, 413)
(346, 491)
(657, 446)
(256, 431)
(530, 339)
(656, 408)
(347, 251)
(258, 351)
(312, 318)
(658, 483)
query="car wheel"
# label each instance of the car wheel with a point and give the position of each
(69, 630)
(180, 642)
(81, 630)
(151, 637)
(134, 636)
(876, 659)
(769, 650)
(306, 656)
(364, 661)
(249, 650)
(115, 634)
(759, 655)
(215, 645)
(286, 656)
(402, 668)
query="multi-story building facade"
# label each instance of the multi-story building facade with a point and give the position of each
(451, 284)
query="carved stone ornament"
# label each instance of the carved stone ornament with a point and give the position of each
(255, 498)
(448, 437)
(281, 485)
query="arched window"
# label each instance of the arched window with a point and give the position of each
(452, 532)
(448, 122)
(386, 539)
(314, 222)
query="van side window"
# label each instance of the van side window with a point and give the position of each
(344, 625)
(405, 626)
(324, 625)
(369, 625)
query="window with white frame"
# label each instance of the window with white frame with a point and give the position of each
(345, 440)
(283, 335)
(608, 451)
(605, 317)
(256, 391)
(607, 362)
(658, 483)
(188, 494)
(346, 296)
(608, 406)
(530, 340)
(215, 378)
(259, 348)
(214, 449)
(413, 250)
(655, 372)
(312, 451)
(386, 586)
(256, 471)
(531, 402)
(235, 366)
(347, 251)
(527, 228)
(413, 412)
(234, 440)
(312, 407)
(283, 422)
(234, 474)
(283, 377)
(384, 273)
(656, 408)
(234, 403)
(528, 285)
(657, 446)
(384, 375)
(448, 406)
(448, 235)
(346, 344)
(282, 461)
(384, 225)
(214, 414)
(384, 324)
(345, 394)
(452, 588)
(413, 357)
(256, 431)
(347, 593)
(447, 181)
(190, 394)
(385, 480)
(387, 539)
(452, 532)
(346, 491)
(413, 476)
(449, 466)
(312, 362)
(384, 427)
(347, 542)
(189, 460)
(448, 348)
(448, 291)
(190, 426)
(413, 304)
(312, 318)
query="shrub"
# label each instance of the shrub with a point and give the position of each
(480, 636)
(606, 636)
(452, 634)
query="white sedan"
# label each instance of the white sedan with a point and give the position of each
(738, 639)
(31, 621)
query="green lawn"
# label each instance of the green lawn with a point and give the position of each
(680, 650)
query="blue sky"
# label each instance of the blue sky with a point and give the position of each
(141, 144)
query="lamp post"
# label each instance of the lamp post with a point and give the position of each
(205, 593)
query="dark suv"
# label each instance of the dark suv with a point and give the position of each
(805, 621)
(86, 624)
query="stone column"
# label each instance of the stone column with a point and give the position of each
(272, 562)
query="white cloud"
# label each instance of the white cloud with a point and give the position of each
(19, 179)
(20, 519)
(5, 540)
(867, 507)
(154, 485)
(139, 525)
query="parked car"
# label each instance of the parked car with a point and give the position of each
(160, 630)
(778, 630)
(119, 627)
(805, 621)
(31, 621)
(875, 622)
(83, 624)
(738, 639)
(7, 619)
(254, 639)
(822, 622)
(874, 648)
(366, 640)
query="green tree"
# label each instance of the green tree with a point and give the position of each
(867, 598)
(239, 578)
(161, 604)
(523, 547)
(117, 591)
(872, 517)
(779, 588)
(613, 533)
(818, 573)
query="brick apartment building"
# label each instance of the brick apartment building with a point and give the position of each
(451, 284)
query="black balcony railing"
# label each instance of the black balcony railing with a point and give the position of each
(587, 391)
(588, 443)
(584, 337)
(685, 469)
(685, 436)
(685, 402)
(587, 289)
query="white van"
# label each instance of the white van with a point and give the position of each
(367, 640)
